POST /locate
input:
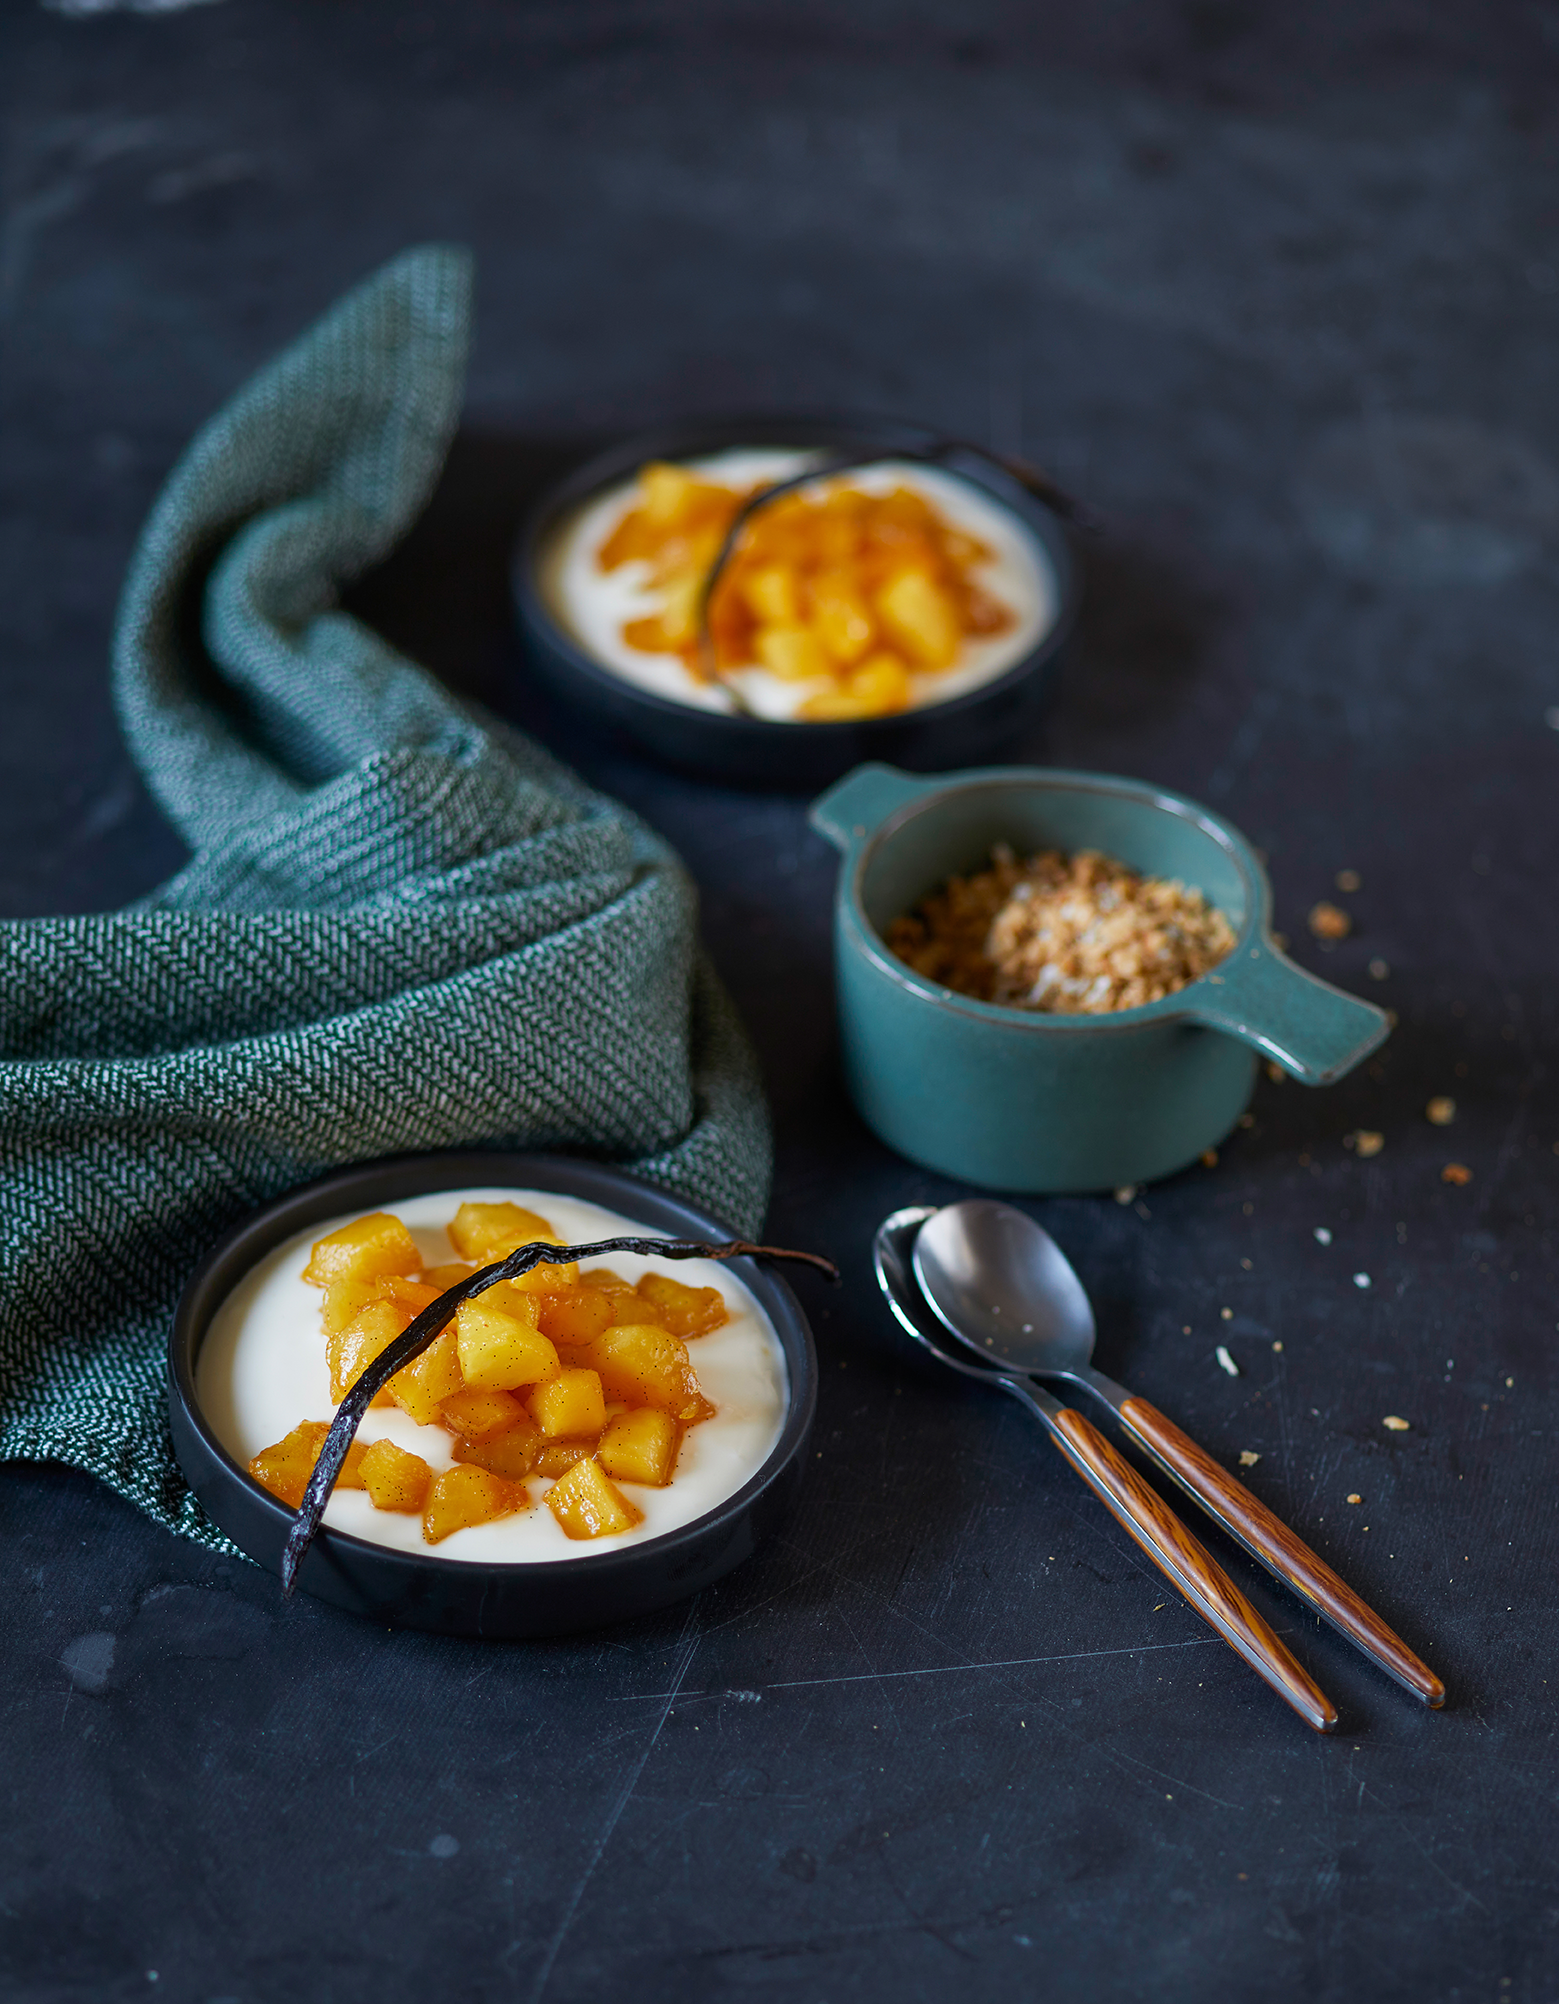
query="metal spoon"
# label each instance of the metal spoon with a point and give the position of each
(1003, 1286)
(1142, 1511)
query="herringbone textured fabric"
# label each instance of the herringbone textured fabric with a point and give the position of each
(403, 926)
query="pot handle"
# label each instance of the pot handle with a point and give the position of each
(1313, 1030)
(857, 805)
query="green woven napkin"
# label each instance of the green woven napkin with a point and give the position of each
(403, 925)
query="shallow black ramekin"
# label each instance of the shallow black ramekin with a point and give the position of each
(753, 751)
(417, 1590)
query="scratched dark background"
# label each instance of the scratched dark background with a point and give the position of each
(1277, 290)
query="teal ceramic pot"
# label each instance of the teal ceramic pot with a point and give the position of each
(1008, 1099)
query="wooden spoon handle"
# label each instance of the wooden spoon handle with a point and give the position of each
(1194, 1571)
(1269, 1539)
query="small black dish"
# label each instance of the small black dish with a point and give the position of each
(753, 751)
(449, 1596)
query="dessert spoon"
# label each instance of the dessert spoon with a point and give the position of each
(1002, 1286)
(1139, 1508)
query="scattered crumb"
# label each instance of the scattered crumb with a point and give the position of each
(1355, 1497)
(1276, 1073)
(1365, 1143)
(1394, 1424)
(1125, 1193)
(1277, 1346)
(1348, 880)
(1551, 716)
(1247, 1459)
(1456, 1172)
(1304, 1158)
(1361, 1280)
(1392, 1019)
(1441, 1111)
(1328, 921)
(1509, 1381)
(1247, 1120)
(1209, 1158)
(1380, 970)
(1185, 1328)
(1226, 1361)
(1280, 941)
(1226, 1314)
(1246, 1264)
(1323, 1236)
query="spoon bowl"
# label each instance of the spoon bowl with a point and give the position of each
(1001, 1285)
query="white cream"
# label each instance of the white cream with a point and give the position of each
(594, 605)
(262, 1369)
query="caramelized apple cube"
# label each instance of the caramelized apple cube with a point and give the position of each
(351, 1350)
(605, 1281)
(351, 1476)
(285, 1468)
(421, 1388)
(483, 1233)
(345, 1299)
(557, 1457)
(666, 492)
(570, 1404)
(685, 1311)
(498, 1351)
(588, 1504)
(639, 1446)
(511, 1452)
(770, 593)
(394, 1479)
(449, 1275)
(521, 1303)
(577, 1316)
(367, 1249)
(920, 617)
(474, 1414)
(790, 652)
(645, 1365)
(461, 1497)
(840, 619)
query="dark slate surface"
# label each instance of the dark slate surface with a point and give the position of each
(1278, 290)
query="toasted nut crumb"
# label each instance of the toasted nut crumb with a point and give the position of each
(1209, 1158)
(1328, 921)
(1355, 1497)
(1396, 1425)
(1456, 1172)
(1065, 935)
(1276, 1073)
(1226, 1314)
(1125, 1193)
(1247, 1120)
(1277, 1346)
(1441, 1111)
(1365, 1143)
(1247, 1459)
(1380, 970)
(1227, 1361)
(1348, 880)
(1280, 941)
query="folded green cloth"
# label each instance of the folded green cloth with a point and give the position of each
(403, 927)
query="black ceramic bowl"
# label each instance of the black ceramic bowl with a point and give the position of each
(752, 751)
(448, 1595)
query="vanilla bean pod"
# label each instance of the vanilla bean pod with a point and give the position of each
(418, 1334)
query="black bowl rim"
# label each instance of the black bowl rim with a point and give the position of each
(694, 436)
(252, 1237)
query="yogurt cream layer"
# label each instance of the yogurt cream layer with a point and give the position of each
(594, 605)
(262, 1369)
